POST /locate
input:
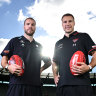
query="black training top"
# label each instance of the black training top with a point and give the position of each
(64, 49)
(30, 52)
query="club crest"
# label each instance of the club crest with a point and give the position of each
(75, 40)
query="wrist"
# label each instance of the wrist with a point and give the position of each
(41, 68)
(90, 68)
(6, 67)
(55, 75)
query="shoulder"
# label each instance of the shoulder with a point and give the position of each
(59, 41)
(83, 34)
(16, 38)
(12, 40)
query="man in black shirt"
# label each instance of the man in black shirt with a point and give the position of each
(73, 41)
(30, 51)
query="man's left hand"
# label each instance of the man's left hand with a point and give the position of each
(80, 68)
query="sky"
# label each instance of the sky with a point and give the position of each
(47, 14)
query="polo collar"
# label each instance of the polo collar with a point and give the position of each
(23, 38)
(73, 34)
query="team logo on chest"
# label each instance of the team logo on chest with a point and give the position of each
(74, 41)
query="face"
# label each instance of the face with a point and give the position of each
(68, 24)
(29, 27)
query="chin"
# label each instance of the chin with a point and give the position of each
(68, 32)
(29, 34)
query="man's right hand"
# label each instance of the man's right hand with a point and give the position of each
(15, 69)
(56, 79)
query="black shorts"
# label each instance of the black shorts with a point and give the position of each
(24, 90)
(74, 90)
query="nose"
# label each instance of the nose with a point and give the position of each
(68, 23)
(30, 25)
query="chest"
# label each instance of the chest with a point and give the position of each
(26, 49)
(71, 45)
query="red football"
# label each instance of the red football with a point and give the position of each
(78, 56)
(15, 59)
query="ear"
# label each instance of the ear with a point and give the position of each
(62, 23)
(24, 27)
(74, 23)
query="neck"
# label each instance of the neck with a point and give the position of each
(30, 38)
(68, 34)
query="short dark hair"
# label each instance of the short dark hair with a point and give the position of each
(67, 14)
(29, 18)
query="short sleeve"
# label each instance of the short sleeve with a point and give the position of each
(56, 54)
(8, 49)
(46, 59)
(89, 44)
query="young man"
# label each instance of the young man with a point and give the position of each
(73, 41)
(29, 50)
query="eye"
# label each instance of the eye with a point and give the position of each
(70, 21)
(64, 21)
(33, 24)
(27, 23)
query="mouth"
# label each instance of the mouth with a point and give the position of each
(68, 27)
(30, 30)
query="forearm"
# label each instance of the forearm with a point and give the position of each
(54, 69)
(4, 61)
(93, 60)
(55, 73)
(45, 66)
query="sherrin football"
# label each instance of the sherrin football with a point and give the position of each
(15, 59)
(78, 56)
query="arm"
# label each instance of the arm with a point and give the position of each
(55, 73)
(45, 66)
(13, 68)
(4, 61)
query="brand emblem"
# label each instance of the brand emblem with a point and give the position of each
(60, 46)
(22, 43)
(75, 40)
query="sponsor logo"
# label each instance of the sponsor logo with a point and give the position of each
(37, 46)
(60, 46)
(22, 43)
